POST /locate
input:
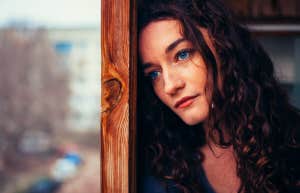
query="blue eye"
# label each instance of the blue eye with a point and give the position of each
(183, 55)
(153, 75)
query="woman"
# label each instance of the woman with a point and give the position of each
(215, 119)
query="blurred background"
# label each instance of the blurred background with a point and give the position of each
(276, 24)
(49, 96)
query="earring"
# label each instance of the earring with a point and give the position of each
(212, 105)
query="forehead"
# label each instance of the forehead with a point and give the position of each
(164, 26)
(159, 34)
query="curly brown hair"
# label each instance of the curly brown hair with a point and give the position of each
(251, 107)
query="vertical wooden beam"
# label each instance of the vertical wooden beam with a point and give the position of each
(118, 44)
(133, 99)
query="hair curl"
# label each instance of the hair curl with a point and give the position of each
(251, 106)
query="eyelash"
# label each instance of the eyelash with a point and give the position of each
(149, 75)
(188, 51)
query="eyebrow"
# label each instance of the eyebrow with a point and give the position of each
(174, 44)
(146, 65)
(168, 49)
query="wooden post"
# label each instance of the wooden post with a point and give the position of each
(118, 124)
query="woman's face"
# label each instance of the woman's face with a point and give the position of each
(177, 71)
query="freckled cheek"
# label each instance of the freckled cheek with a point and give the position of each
(159, 91)
(195, 73)
(198, 61)
(200, 70)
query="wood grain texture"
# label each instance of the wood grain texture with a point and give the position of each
(118, 103)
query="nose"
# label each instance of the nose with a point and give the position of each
(172, 82)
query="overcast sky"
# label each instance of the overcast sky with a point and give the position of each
(51, 13)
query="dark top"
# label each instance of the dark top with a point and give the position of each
(154, 185)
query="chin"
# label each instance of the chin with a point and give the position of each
(194, 116)
(191, 121)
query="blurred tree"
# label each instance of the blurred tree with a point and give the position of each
(33, 91)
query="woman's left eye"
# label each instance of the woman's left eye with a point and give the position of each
(183, 55)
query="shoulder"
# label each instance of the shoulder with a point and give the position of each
(152, 184)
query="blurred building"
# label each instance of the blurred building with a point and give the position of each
(284, 51)
(79, 52)
(277, 26)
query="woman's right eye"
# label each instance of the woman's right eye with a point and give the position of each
(153, 75)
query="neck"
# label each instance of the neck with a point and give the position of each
(213, 137)
(220, 167)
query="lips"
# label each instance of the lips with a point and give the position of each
(185, 101)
